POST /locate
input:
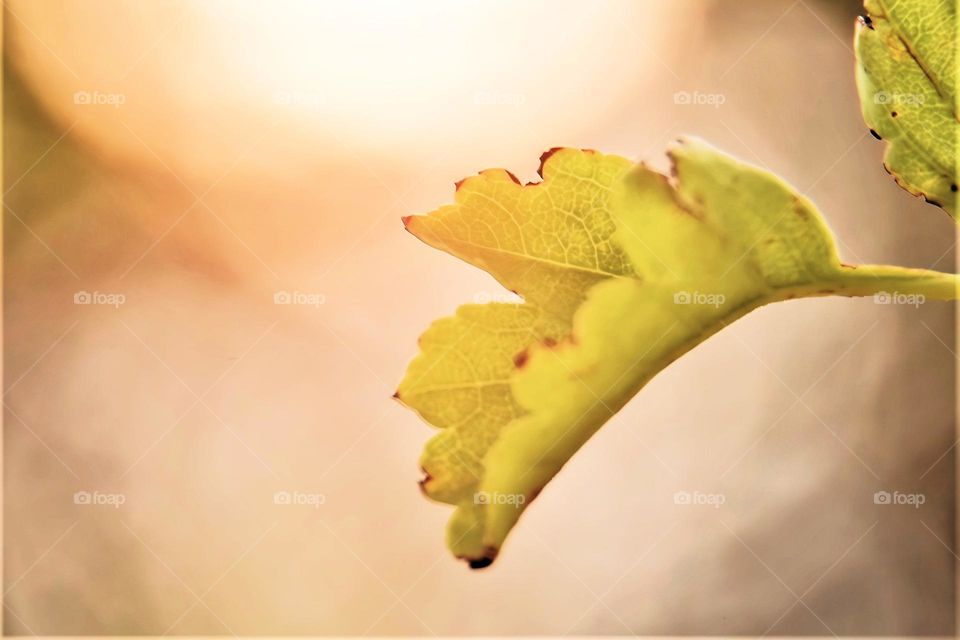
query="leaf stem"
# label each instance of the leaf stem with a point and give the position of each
(868, 280)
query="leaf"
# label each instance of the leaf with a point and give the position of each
(622, 270)
(907, 77)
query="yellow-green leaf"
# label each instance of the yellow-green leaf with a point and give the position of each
(907, 76)
(622, 270)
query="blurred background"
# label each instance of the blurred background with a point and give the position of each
(187, 454)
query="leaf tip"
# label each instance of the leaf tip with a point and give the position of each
(480, 563)
(549, 153)
(484, 561)
(422, 482)
(544, 157)
(513, 177)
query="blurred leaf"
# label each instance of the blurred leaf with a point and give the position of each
(907, 77)
(622, 270)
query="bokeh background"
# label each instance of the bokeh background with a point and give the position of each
(197, 158)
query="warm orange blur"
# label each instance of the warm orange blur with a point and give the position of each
(202, 161)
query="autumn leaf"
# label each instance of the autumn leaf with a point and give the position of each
(907, 76)
(622, 270)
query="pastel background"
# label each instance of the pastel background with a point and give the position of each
(194, 159)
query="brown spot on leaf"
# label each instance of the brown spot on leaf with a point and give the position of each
(480, 563)
(512, 177)
(489, 555)
(674, 172)
(866, 21)
(875, 134)
(521, 359)
(423, 481)
(549, 342)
